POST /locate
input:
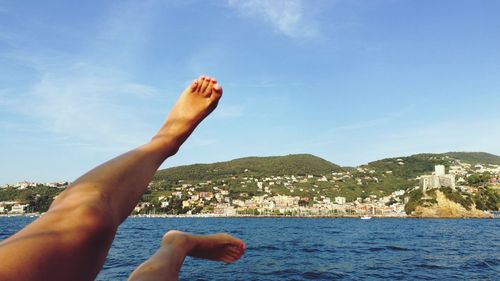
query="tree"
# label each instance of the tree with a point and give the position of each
(479, 179)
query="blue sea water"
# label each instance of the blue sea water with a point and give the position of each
(318, 249)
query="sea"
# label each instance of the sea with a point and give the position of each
(317, 248)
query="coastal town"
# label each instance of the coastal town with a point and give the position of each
(218, 201)
(291, 195)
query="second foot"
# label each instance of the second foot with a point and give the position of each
(217, 247)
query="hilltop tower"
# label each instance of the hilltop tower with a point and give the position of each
(439, 170)
(437, 180)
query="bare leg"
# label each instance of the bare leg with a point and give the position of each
(71, 241)
(167, 261)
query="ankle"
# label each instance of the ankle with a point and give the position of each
(168, 145)
(179, 240)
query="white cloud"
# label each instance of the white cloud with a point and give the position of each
(286, 16)
(86, 102)
(89, 96)
(91, 104)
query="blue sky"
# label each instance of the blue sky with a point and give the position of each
(349, 81)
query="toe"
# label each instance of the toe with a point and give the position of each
(208, 90)
(194, 85)
(233, 249)
(205, 83)
(233, 256)
(217, 87)
(216, 91)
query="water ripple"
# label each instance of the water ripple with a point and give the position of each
(317, 249)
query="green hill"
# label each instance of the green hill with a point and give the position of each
(411, 166)
(303, 175)
(297, 164)
(475, 157)
(380, 177)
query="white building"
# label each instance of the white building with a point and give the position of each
(186, 204)
(457, 170)
(398, 193)
(340, 200)
(224, 210)
(439, 170)
(437, 180)
(19, 208)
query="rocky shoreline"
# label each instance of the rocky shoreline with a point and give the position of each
(445, 208)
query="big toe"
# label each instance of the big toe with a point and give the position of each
(216, 92)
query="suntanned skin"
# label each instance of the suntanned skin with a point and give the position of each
(177, 245)
(71, 240)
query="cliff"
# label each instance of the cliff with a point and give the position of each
(445, 208)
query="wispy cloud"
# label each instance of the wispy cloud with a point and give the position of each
(91, 104)
(285, 16)
(89, 96)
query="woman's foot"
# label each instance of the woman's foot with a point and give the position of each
(196, 102)
(216, 247)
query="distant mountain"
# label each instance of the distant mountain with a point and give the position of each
(475, 157)
(295, 164)
(403, 169)
(408, 167)
(412, 166)
(312, 177)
